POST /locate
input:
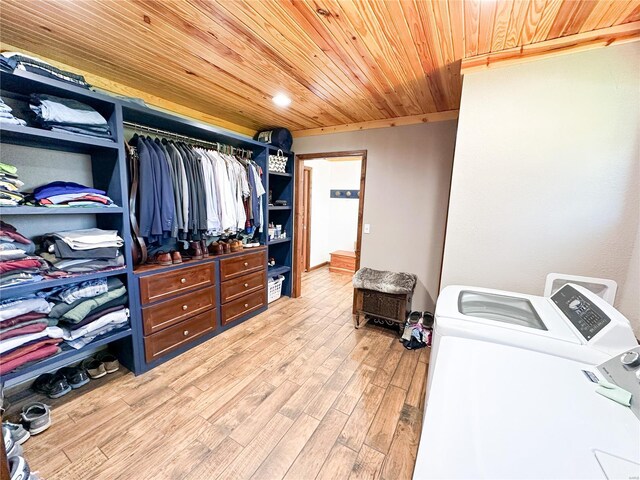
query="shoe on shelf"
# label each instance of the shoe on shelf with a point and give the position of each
(76, 377)
(203, 248)
(195, 251)
(36, 417)
(52, 385)
(95, 368)
(18, 468)
(109, 360)
(10, 446)
(160, 258)
(18, 433)
(176, 257)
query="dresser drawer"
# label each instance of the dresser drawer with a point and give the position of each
(167, 340)
(237, 287)
(167, 284)
(233, 310)
(236, 266)
(169, 312)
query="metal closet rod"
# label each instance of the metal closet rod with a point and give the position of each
(217, 145)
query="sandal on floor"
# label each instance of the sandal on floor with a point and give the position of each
(36, 417)
(414, 317)
(52, 385)
(76, 376)
(95, 368)
(427, 319)
(110, 361)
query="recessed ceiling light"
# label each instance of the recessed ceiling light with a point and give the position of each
(281, 100)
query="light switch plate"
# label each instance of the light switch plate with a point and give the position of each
(367, 228)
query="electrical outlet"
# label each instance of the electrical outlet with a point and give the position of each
(367, 228)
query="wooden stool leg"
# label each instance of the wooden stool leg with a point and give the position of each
(356, 320)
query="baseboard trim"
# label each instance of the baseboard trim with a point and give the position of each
(320, 265)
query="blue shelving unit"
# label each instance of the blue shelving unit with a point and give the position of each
(104, 162)
(281, 187)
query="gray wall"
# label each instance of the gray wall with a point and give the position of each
(547, 174)
(407, 189)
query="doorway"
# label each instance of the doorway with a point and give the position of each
(340, 198)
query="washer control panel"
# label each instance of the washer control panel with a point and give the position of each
(624, 371)
(580, 311)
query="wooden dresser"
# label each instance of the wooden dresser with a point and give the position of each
(343, 261)
(185, 304)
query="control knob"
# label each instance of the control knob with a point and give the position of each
(575, 304)
(630, 359)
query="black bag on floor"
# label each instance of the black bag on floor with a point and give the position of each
(278, 137)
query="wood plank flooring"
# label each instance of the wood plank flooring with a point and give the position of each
(295, 393)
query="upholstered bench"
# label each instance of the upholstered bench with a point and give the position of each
(382, 294)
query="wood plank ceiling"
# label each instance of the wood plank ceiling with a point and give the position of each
(341, 61)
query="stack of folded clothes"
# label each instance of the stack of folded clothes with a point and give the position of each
(69, 194)
(89, 309)
(10, 61)
(10, 186)
(82, 251)
(17, 263)
(7, 117)
(70, 116)
(26, 333)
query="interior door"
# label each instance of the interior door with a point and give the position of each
(306, 218)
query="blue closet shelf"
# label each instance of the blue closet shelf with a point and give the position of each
(65, 357)
(275, 149)
(279, 240)
(36, 137)
(23, 289)
(32, 210)
(277, 270)
(279, 207)
(278, 174)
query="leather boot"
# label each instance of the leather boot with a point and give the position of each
(176, 257)
(195, 250)
(203, 247)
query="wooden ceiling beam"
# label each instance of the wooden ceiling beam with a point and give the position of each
(558, 46)
(386, 123)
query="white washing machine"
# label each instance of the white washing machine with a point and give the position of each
(573, 323)
(502, 412)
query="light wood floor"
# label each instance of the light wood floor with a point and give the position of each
(294, 393)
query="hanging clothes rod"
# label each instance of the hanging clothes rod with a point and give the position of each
(221, 147)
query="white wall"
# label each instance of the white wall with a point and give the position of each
(334, 221)
(547, 173)
(407, 189)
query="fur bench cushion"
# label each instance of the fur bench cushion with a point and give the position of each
(386, 282)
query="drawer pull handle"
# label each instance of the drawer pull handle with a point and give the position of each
(246, 305)
(184, 307)
(246, 285)
(246, 264)
(183, 280)
(185, 333)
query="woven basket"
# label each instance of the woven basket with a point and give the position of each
(278, 163)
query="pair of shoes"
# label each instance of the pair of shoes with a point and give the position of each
(53, 385)
(236, 246)
(216, 248)
(19, 468)
(165, 259)
(193, 252)
(103, 363)
(425, 318)
(18, 433)
(36, 417)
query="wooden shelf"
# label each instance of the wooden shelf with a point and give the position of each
(40, 138)
(280, 207)
(33, 210)
(24, 288)
(65, 357)
(278, 174)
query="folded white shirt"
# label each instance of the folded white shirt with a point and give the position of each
(24, 305)
(90, 238)
(113, 318)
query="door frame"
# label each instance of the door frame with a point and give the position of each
(307, 257)
(296, 290)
